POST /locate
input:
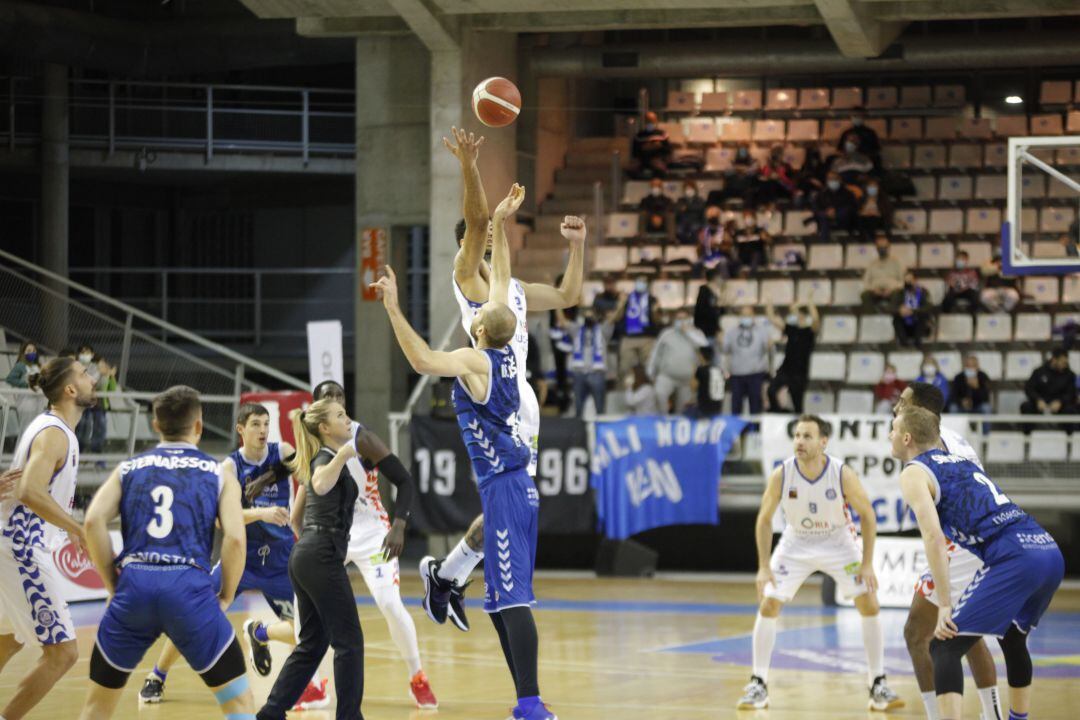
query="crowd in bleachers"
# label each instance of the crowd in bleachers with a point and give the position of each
(888, 224)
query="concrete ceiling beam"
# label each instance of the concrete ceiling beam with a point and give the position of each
(856, 32)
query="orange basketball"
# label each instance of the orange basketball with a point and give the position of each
(496, 102)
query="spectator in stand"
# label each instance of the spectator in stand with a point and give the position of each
(931, 374)
(740, 180)
(640, 396)
(970, 389)
(607, 300)
(689, 214)
(655, 209)
(1051, 389)
(887, 391)
(875, 214)
(673, 362)
(834, 207)
(851, 164)
(775, 179)
(84, 431)
(747, 349)
(810, 179)
(561, 347)
(800, 329)
(106, 383)
(962, 285)
(1000, 293)
(867, 139)
(26, 365)
(709, 308)
(751, 242)
(911, 321)
(1070, 240)
(636, 319)
(651, 149)
(588, 361)
(708, 383)
(883, 278)
(716, 244)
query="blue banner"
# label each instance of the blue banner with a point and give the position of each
(655, 471)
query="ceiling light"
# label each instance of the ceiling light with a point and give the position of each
(1014, 99)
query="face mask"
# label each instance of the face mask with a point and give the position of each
(883, 252)
(690, 192)
(857, 122)
(929, 371)
(850, 147)
(715, 222)
(31, 357)
(655, 192)
(682, 323)
(641, 286)
(834, 185)
(742, 152)
(971, 372)
(872, 191)
(792, 319)
(960, 264)
(746, 322)
(889, 377)
(86, 359)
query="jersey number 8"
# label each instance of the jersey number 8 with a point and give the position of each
(162, 523)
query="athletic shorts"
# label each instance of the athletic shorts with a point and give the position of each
(268, 573)
(839, 556)
(511, 508)
(962, 568)
(32, 606)
(177, 600)
(365, 551)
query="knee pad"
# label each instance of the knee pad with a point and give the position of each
(1017, 658)
(948, 669)
(104, 674)
(230, 666)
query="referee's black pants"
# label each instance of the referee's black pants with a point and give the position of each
(326, 611)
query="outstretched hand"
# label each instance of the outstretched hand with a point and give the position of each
(387, 285)
(465, 147)
(511, 202)
(573, 228)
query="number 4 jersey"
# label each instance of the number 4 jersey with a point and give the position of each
(168, 505)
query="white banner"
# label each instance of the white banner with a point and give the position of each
(898, 561)
(325, 358)
(78, 578)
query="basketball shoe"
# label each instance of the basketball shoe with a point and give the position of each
(436, 590)
(755, 695)
(882, 698)
(457, 606)
(258, 651)
(314, 697)
(539, 711)
(420, 692)
(152, 690)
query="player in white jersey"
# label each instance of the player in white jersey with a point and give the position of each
(445, 580)
(32, 608)
(814, 490)
(923, 616)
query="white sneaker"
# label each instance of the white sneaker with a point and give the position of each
(882, 698)
(756, 695)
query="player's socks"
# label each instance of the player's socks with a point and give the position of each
(929, 700)
(261, 633)
(161, 674)
(764, 639)
(874, 641)
(991, 703)
(460, 563)
(1013, 715)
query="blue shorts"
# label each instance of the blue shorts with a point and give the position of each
(1014, 591)
(511, 508)
(177, 600)
(267, 572)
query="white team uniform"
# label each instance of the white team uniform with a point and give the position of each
(962, 564)
(370, 525)
(32, 606)
(528, 416)
(819, 536)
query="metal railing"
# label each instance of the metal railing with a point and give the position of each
(113, 115)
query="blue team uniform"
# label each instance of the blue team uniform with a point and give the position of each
(268, 546)
(1022, 564)
(511, 504)
(168, 505)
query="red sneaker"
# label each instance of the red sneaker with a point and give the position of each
(314, 697)
(420, 691)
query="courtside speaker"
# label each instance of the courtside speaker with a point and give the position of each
(625, 558)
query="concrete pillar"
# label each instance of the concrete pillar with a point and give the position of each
(55, 168)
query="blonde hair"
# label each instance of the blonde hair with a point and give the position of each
(923, 425)
(305, 425)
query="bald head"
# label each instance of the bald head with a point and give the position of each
(494, 326)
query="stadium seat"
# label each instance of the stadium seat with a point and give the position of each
(609, 258)
(794, 155)
(949, 96)
(1070, 289)
(1033, 185)
(954, 187)
(1011, 125)
(1072, 126)
(946, 221)
(675, 253)
(990, 363)
(908, 364)
(1009, 401)
(979, 252)
(692, 287)
(1005, 446)
(949, 363)
(995, 327)
(991, 187)
(589, 290)
(1042, 290)
(845, 98)
(914, 221)
(634, 191)
(995, 155)
(1056, 219)
(881, 98)
(925, 187)
(719, 159)
(646, 254)
(768, 131)
(680, 101)
(855, 402)
(976, 128)
(778, 291)
(779, 250)
(813, 98)
(915, 96)
(954, 328)
(941, 128)
(740, 292)
(935, 254)
(965, 155)
(935, 288)
(1029, 219)
(802, 130)
(734, 130)
(1055, 92)
(1055, 189)
(675, 132)
(760, 153)
(878, 124)
(1048, 446)
(907, 253)
(794, 223)
(865, 368)
(781, 99)
(1047, 249)
(819, 402)
(746, 100)
(929, 157)
(670, 294)
(896, 156)
(838, 329)
(1047, 124)
(816, 290)
(1032, 327)
(714, 102)
(832, 129)
(876, 330)
(847, 291)
(1019, 364)
(829, 256)
(622, 225)
(701, 131)
(983, 221)
(859, 255)
(830, 366)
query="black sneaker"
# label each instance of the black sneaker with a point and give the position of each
(258, 651)
(457, 606)
(152, 690)
(436, 600)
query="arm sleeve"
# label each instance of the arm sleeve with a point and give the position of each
(392, 469)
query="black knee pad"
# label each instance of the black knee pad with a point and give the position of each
(1017, 658)
(104, 674)
(229, 666)
(948, 669)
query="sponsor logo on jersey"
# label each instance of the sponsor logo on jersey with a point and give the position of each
(830, 494)
(75, 565)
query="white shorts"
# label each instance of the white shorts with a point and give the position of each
(962, 568)
(365, 551)
(32, 606)
(795, 559)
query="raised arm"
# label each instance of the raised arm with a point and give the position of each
(815, 316)
(499, 290)
(856, 497)
(466, 147)
(103, 509)
(915, 487)
(546, 297)
(776, 320)
(770, 500)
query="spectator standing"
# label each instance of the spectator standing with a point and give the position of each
(931, 374)
(911, 321)
(971, 389)
(26, 365)
(651, 148)
(962, 285)
(1051, 389)
(606, 301)
(106, 383)
(800, 329)
(674, 360)
(834, 207)
(84, 431)
(867, 140)
(561, 347)
(655, 209)
(883, 278)
(636, 318)
(709, 385)
(1000, 293)
(747, 349)
(875, 213)
(640, 396)
(709, 308)
(588, 362)
(887, 391)
(689, 214)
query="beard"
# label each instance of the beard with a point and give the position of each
(86, 401)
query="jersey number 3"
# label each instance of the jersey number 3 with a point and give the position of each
(162, 523)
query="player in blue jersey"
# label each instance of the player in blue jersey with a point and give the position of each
(487, 403)
(168, 500)
(955, 501)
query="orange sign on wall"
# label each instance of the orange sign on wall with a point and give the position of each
(372, 260)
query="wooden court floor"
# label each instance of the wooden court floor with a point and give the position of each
(627, 649)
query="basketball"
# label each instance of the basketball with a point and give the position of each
(496, 102)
